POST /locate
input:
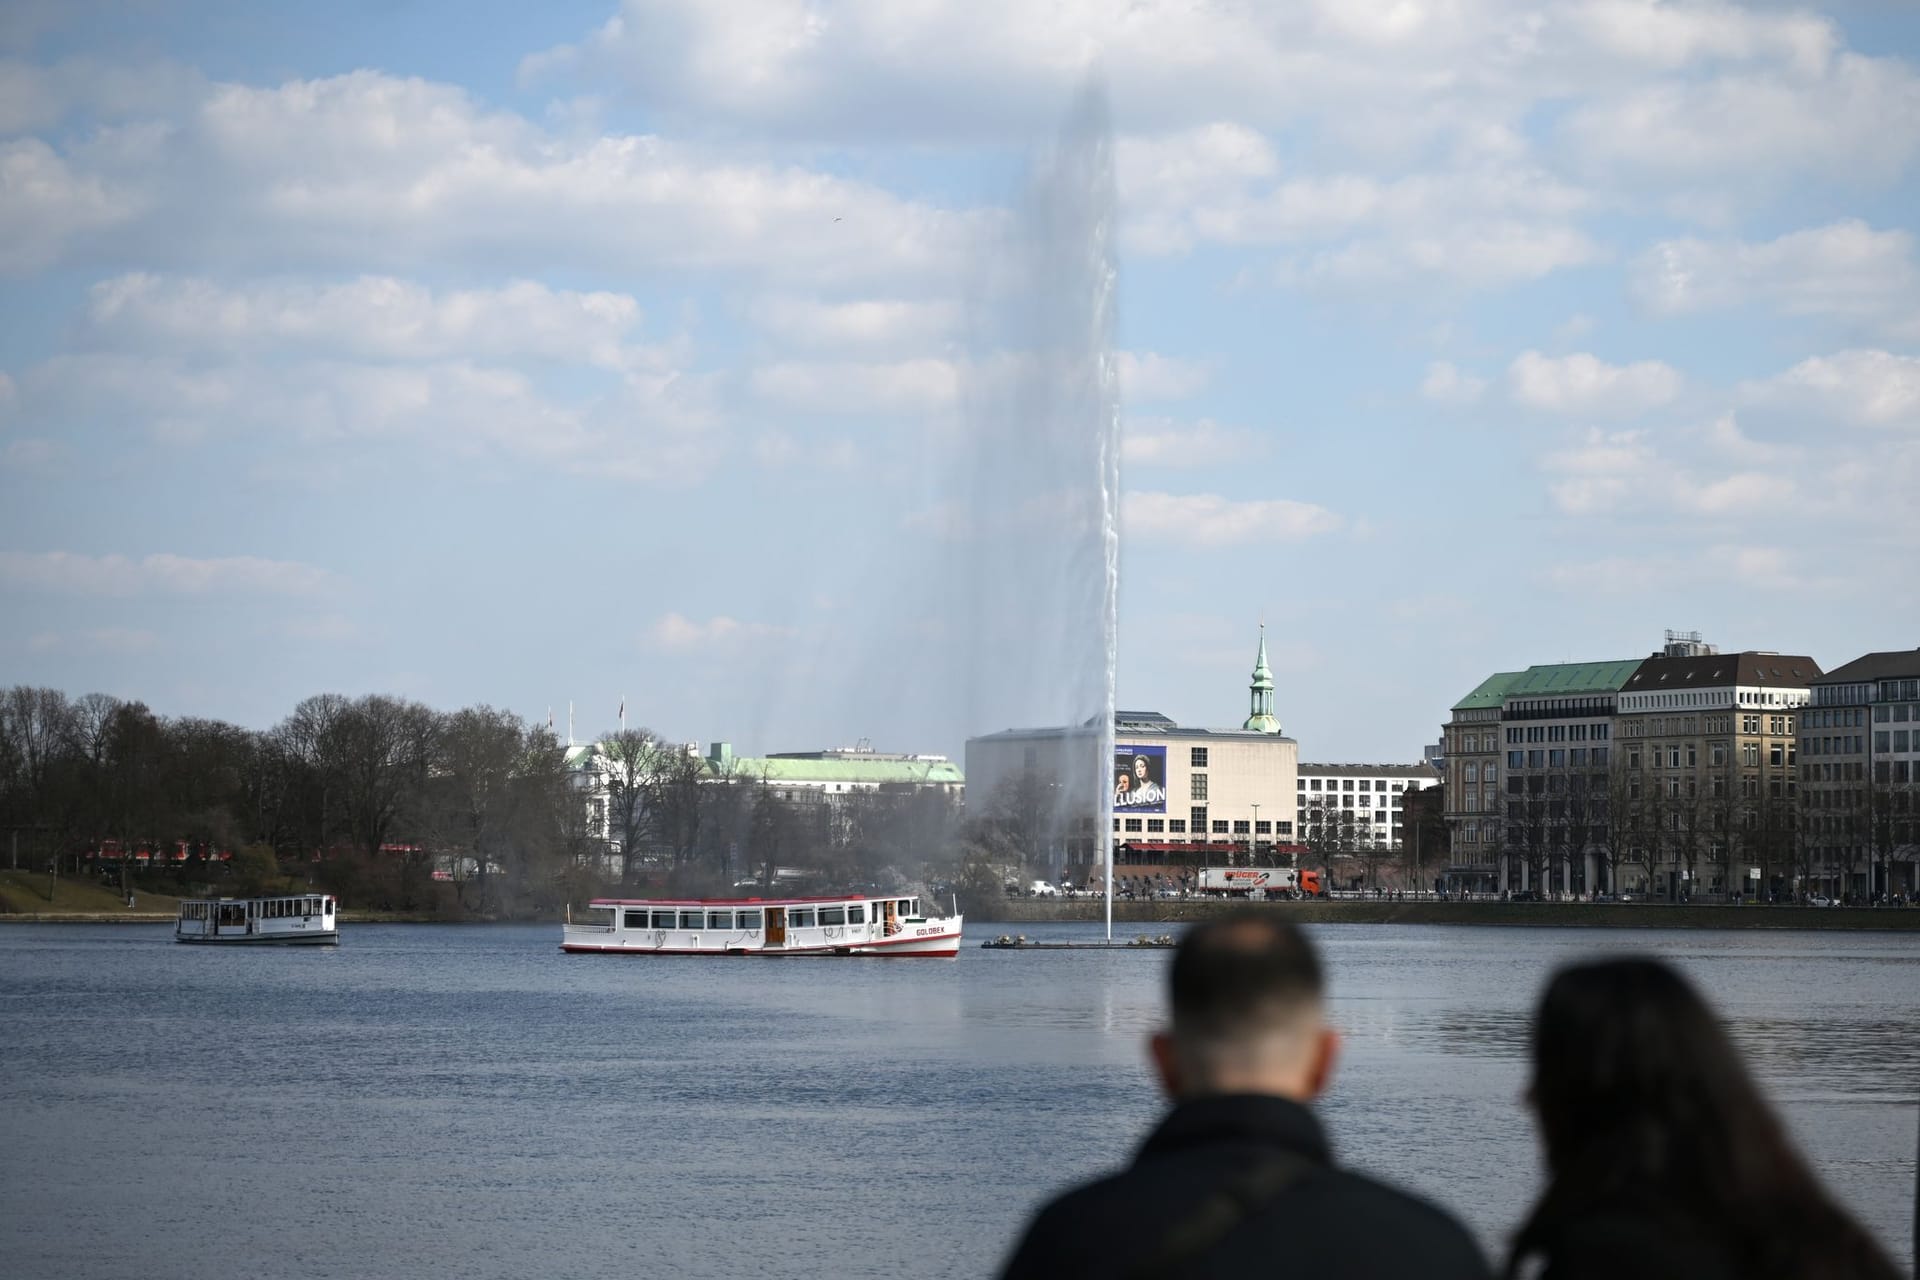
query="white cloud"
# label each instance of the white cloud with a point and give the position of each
(1725, 437)
(1845, 269)
(1209, 520)
(1754, 567)
(1850, 117)
(1583, 383)
(1605, 472)
(74, 573)
(866, 324)
(1669, 36)
(908, 386)
(872, 67)
(1162, 442)
(677, 633)
(1868, 388)
(1446, 384)
(1148, 375)
(368, 171)
(648, 425)
(1474, 254)
(372, 318)
(45, 204)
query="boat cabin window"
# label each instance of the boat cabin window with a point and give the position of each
(663, 919)
(800, 918)
(833, 915)
(913, 906)
(750, 920)
(599, 917)
(692, 919)
(636, 920)
(857, 913)
(719, 919)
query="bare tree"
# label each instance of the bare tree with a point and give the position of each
(634, 761)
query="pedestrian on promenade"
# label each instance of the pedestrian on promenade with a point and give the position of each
(1237, 1180)
(1664, 1160)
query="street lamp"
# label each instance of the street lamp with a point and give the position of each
(1253, 844)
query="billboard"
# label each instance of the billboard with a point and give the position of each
(1139, 779)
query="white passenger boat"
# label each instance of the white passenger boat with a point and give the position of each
(309, 918)
(846, 926)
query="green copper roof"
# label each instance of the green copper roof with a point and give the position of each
(862, 772)
(1573, 677)
(1489, 692)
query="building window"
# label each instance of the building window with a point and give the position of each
(1316, 784)
(1197, 758)
(1177, 826)
(1198, 783)
(1262, 828)
(1156, 826)
(1346, 784)
(1220, 826)
(1240, 827)
(1283, 828)
(1199, 815)
(1133, 824)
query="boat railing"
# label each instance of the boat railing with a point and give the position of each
(574, 926)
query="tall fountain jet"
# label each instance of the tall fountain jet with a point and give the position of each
(1035, 521)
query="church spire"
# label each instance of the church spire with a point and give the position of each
(1260, 717)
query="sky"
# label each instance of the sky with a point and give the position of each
(589, 352)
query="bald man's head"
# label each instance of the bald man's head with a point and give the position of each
(1246, 1006)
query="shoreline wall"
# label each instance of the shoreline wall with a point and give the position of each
(1623, 915)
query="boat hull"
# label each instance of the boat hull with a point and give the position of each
(263, 940)
(935, 943)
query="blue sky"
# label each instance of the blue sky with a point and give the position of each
(514, 353)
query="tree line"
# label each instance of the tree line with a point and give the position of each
(394, 805)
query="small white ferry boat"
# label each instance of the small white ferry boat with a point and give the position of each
(847, 926)
(293, 919)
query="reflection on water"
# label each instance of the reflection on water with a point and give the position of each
(468, 1101)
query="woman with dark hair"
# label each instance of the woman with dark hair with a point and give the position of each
(1664, 1159)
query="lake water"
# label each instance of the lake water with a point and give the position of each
(467, 1101)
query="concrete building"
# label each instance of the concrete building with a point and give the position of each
(1471, 758)
(1859, 770)
(1708, 806)
(1374, 793)
(1556, 727)
(1173, 795)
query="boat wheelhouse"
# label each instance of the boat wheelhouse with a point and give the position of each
(844, 926)
(290, 919)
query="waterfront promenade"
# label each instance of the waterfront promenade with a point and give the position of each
(1559, 915)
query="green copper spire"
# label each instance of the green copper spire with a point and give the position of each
(1261, 718)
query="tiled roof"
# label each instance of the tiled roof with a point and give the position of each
(1902, 664)
(1661, 674)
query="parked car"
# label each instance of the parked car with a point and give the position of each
(1819, 900)
(1041, 889)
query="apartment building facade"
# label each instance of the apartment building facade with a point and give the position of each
(1859, 773)
(1707, 807)
(1556, 723)
(1470, 756)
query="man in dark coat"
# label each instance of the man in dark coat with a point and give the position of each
(1237, 1180)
